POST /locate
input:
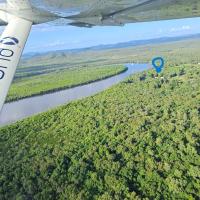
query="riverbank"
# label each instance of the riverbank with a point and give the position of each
(58, 82)
(24, 108)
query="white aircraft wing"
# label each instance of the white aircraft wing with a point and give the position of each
(89, 13)
(19, 4)
(12, 43)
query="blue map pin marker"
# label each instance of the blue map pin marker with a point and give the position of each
(158, 64)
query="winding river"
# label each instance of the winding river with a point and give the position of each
(22, 109)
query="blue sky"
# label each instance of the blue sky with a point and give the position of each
(47, 37)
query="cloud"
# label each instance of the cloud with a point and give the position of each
(54, 45)
(44, 28)
(179, 29)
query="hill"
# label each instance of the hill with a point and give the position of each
(186, 51)
(133, 43)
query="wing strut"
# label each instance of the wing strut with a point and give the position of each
(12, 43)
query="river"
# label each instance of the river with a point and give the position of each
(22, 109)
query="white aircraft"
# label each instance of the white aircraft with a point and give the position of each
(20, 15)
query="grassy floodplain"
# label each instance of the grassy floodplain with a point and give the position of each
(175, 53)
(136, 140)
(59, 79)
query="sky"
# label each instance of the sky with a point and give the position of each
(46, 37)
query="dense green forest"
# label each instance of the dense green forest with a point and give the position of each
(137, 140)
(33, 83)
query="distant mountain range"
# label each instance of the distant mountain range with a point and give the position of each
(117, 45)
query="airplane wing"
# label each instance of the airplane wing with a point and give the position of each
(159, 10)
(19, 4)
(89, 13)
(131, 11)
(12, 43)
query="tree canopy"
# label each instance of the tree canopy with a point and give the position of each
(137, 140)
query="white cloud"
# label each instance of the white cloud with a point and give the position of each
(55, 45)
(179, 29)
(43, 28)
